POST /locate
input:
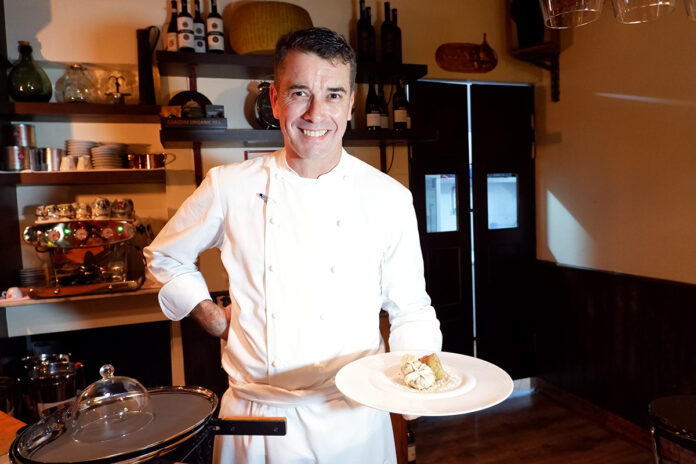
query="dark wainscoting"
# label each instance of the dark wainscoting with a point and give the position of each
(617, 340)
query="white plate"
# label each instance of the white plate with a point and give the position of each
(376, 381)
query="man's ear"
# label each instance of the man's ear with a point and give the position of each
(352, 102)
(273, 95)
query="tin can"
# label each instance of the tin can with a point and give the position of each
(15, 158)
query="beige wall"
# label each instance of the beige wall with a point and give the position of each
(615, 164)
(102, 33)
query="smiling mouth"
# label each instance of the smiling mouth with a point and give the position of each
(317, 133)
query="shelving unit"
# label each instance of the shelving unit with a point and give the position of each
(239, 138)
(79, 112)
(260, 67)
(91, 177)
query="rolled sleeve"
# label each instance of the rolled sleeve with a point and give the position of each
(172, 255)
(180, 295)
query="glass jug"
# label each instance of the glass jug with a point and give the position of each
(27, 82)
(77, 86)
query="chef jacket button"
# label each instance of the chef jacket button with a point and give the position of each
(270, 268)
(322, 317)
(272, 221)
(345, 177)
(274, 316)
(274, 363)
(338, 223)
(333, 269)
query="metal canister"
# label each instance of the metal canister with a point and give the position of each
(53, 157)
(21, 135)
(15, 158)
(37, 159)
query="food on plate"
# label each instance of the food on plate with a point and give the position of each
(423, 373)
(433, 362)
(421, 378)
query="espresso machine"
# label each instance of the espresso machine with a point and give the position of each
(88, 253)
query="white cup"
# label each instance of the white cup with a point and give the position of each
(67, 163)
(84, 162)
(13, 293)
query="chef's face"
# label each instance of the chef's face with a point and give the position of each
(312, 98)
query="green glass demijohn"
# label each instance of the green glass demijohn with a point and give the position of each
(27, 81)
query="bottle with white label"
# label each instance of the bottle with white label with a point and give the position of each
(383, 108)
(184, 23)
(213, 23)
(400, 107)
(372, 109)
(172, 40)
(198, 29)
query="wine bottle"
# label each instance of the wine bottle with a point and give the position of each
(383, 108)
(372, 110)
(184, 25)
(400, 107)
(363, 35)
(198, 29)
(397, 37)
(411, 444)
(172, 40)
(371, 37)
(216, 40)
(387, 36)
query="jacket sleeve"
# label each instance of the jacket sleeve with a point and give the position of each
(414, 324)
(172, 255)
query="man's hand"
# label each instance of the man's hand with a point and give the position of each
(213, 318)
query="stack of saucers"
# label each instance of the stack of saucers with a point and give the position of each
(109, 155)
(79, 147)
(33, 277)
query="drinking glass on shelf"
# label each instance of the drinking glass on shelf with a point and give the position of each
(562, 14)
(640, 11)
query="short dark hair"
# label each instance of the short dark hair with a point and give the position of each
(321, 41)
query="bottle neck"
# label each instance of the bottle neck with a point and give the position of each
(213, 7)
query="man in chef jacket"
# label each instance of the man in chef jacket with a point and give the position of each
(315, 242)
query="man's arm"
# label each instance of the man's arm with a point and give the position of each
(213, 318)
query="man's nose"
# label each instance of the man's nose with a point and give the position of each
(314, 110)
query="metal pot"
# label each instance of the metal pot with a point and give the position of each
(182, 424)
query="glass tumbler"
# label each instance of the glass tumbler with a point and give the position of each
(641, 11)
(562, 14)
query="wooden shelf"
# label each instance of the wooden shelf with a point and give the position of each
(90, 177)
(180, 138)
(79, 112)
(260, 67)
(26, 301)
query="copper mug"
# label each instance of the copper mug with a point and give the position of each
(149, 160)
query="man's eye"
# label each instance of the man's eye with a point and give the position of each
(334, 96)
(299, 93)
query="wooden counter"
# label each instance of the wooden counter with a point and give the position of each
(8, 430)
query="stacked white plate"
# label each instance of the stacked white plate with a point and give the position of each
(79, 147)
(109, 155)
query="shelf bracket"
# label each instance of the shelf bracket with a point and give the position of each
(197, 163)
(548, 62)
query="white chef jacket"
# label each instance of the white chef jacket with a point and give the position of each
(310, 264)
